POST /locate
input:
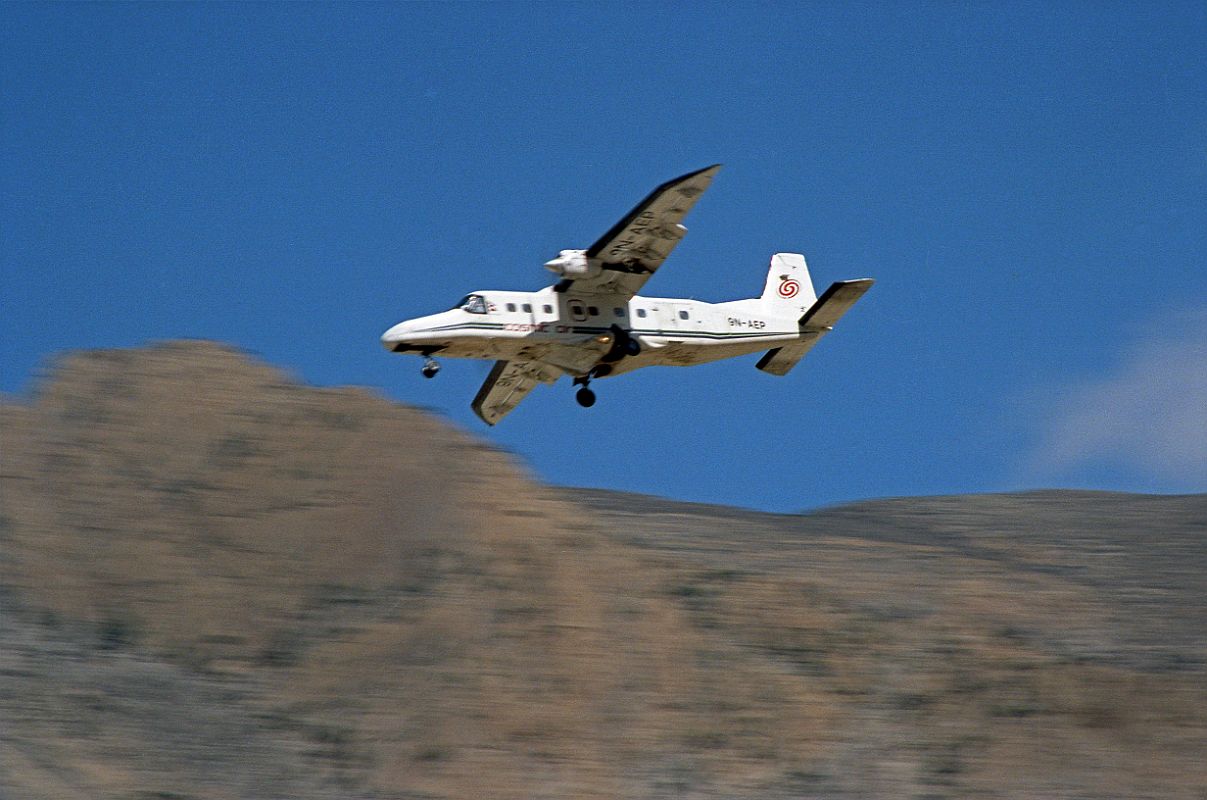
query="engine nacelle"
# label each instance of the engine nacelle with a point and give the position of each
(574, 264)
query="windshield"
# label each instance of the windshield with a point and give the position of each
(473, 303)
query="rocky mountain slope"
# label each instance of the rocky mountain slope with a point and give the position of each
(216, 583)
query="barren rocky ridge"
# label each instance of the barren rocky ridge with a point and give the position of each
(216, 582)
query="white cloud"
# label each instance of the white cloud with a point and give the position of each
(1149, 414)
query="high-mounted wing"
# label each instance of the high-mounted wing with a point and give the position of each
(509, 382)
(636, 246)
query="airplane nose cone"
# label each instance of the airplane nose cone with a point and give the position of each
(395, 335)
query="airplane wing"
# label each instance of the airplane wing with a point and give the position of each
(637, 245)
(510, 382)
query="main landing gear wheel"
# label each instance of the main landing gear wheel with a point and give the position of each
(585, 397)
(430, 368)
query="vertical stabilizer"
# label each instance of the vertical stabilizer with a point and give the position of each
(789, 290)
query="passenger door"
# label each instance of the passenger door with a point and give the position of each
(671, 316)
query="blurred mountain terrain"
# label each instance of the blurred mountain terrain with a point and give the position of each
(217, 583)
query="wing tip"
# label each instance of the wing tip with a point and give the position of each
(709, 170)
(595, 249)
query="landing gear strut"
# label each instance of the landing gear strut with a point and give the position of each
(430, 368)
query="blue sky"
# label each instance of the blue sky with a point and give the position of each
(1026, 181)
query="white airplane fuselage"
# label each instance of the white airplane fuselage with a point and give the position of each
(528, 325)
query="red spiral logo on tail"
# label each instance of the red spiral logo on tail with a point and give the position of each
(789, 288)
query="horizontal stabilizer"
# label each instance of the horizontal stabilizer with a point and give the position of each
(816, 323)
(833, 303)
(782, 359)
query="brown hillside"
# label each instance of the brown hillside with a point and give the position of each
(217, 583)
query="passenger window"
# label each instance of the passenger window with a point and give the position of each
(547, 309)
(511, 306)
(593, 311)
(682, 315)
(618, 312)
(527, 308)
(641, 313)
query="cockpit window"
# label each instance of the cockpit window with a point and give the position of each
(473, 303)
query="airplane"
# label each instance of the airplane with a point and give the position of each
(592, 323)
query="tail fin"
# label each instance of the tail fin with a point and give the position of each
(789, 290)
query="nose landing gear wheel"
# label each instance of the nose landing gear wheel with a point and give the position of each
(585, 397)
(430, 368)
